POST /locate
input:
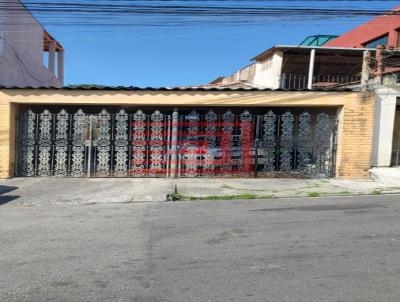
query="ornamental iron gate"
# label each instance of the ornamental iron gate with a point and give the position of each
(163, 143)
(102, 145)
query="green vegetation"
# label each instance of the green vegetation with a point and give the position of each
(225, 186)
(377, 192)
(176, 197)
(314, 194)
(86, 86)
(320, 194)
(343, 193)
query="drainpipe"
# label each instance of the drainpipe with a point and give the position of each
(379, 63)
(365, 70)
(311, 69)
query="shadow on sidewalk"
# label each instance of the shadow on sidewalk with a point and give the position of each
(7, 198)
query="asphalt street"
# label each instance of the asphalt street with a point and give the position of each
(311, 249)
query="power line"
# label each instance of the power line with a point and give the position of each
(171, 12)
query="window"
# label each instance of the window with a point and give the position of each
(398, 37)
(379, 41)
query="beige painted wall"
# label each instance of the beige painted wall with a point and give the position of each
(354, 133)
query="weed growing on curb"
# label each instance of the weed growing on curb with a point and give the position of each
(247, 196)
(320, 194)
(343, 193)
(314, 194)
(225, 186)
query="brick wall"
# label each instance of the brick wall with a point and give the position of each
(355, 139)
(6, 145)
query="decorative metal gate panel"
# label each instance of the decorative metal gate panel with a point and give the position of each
(247, 145)
(210, 143)
(297, 145)
(93, 145)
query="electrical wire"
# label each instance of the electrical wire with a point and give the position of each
(107, 13)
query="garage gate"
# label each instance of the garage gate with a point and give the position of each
(161, 142)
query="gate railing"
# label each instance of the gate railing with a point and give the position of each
(176, 145)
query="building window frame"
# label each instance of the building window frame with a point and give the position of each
(397, 31)
(381, 40)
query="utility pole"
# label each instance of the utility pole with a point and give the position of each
(365, 70)
(382, 62)
(379, 64)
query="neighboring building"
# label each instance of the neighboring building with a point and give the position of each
(329, 62)
(24, 45)
(290, 67)
(383, 30)
(242, 78)
(333, 62)
(386, 152)
(191, 132)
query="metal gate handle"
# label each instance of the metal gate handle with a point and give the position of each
(89, 145)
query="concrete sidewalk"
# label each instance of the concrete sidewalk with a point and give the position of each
(44, 191)
(54, 190)
(275, 188)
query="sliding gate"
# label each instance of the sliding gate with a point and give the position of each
(164, 143)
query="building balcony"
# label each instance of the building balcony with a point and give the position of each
(55, 56)
(326, 81)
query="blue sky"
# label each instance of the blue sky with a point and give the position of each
(186, 55)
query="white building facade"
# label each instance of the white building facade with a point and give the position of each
(23, 44)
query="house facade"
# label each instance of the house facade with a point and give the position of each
(382, 30)
(192, 132)
(296, 111)
(29, 56)
(365, 58)
(290, 67)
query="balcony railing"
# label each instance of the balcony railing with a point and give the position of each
(300, 82)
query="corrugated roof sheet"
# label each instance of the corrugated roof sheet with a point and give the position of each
(135, 88)
(275, 48)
